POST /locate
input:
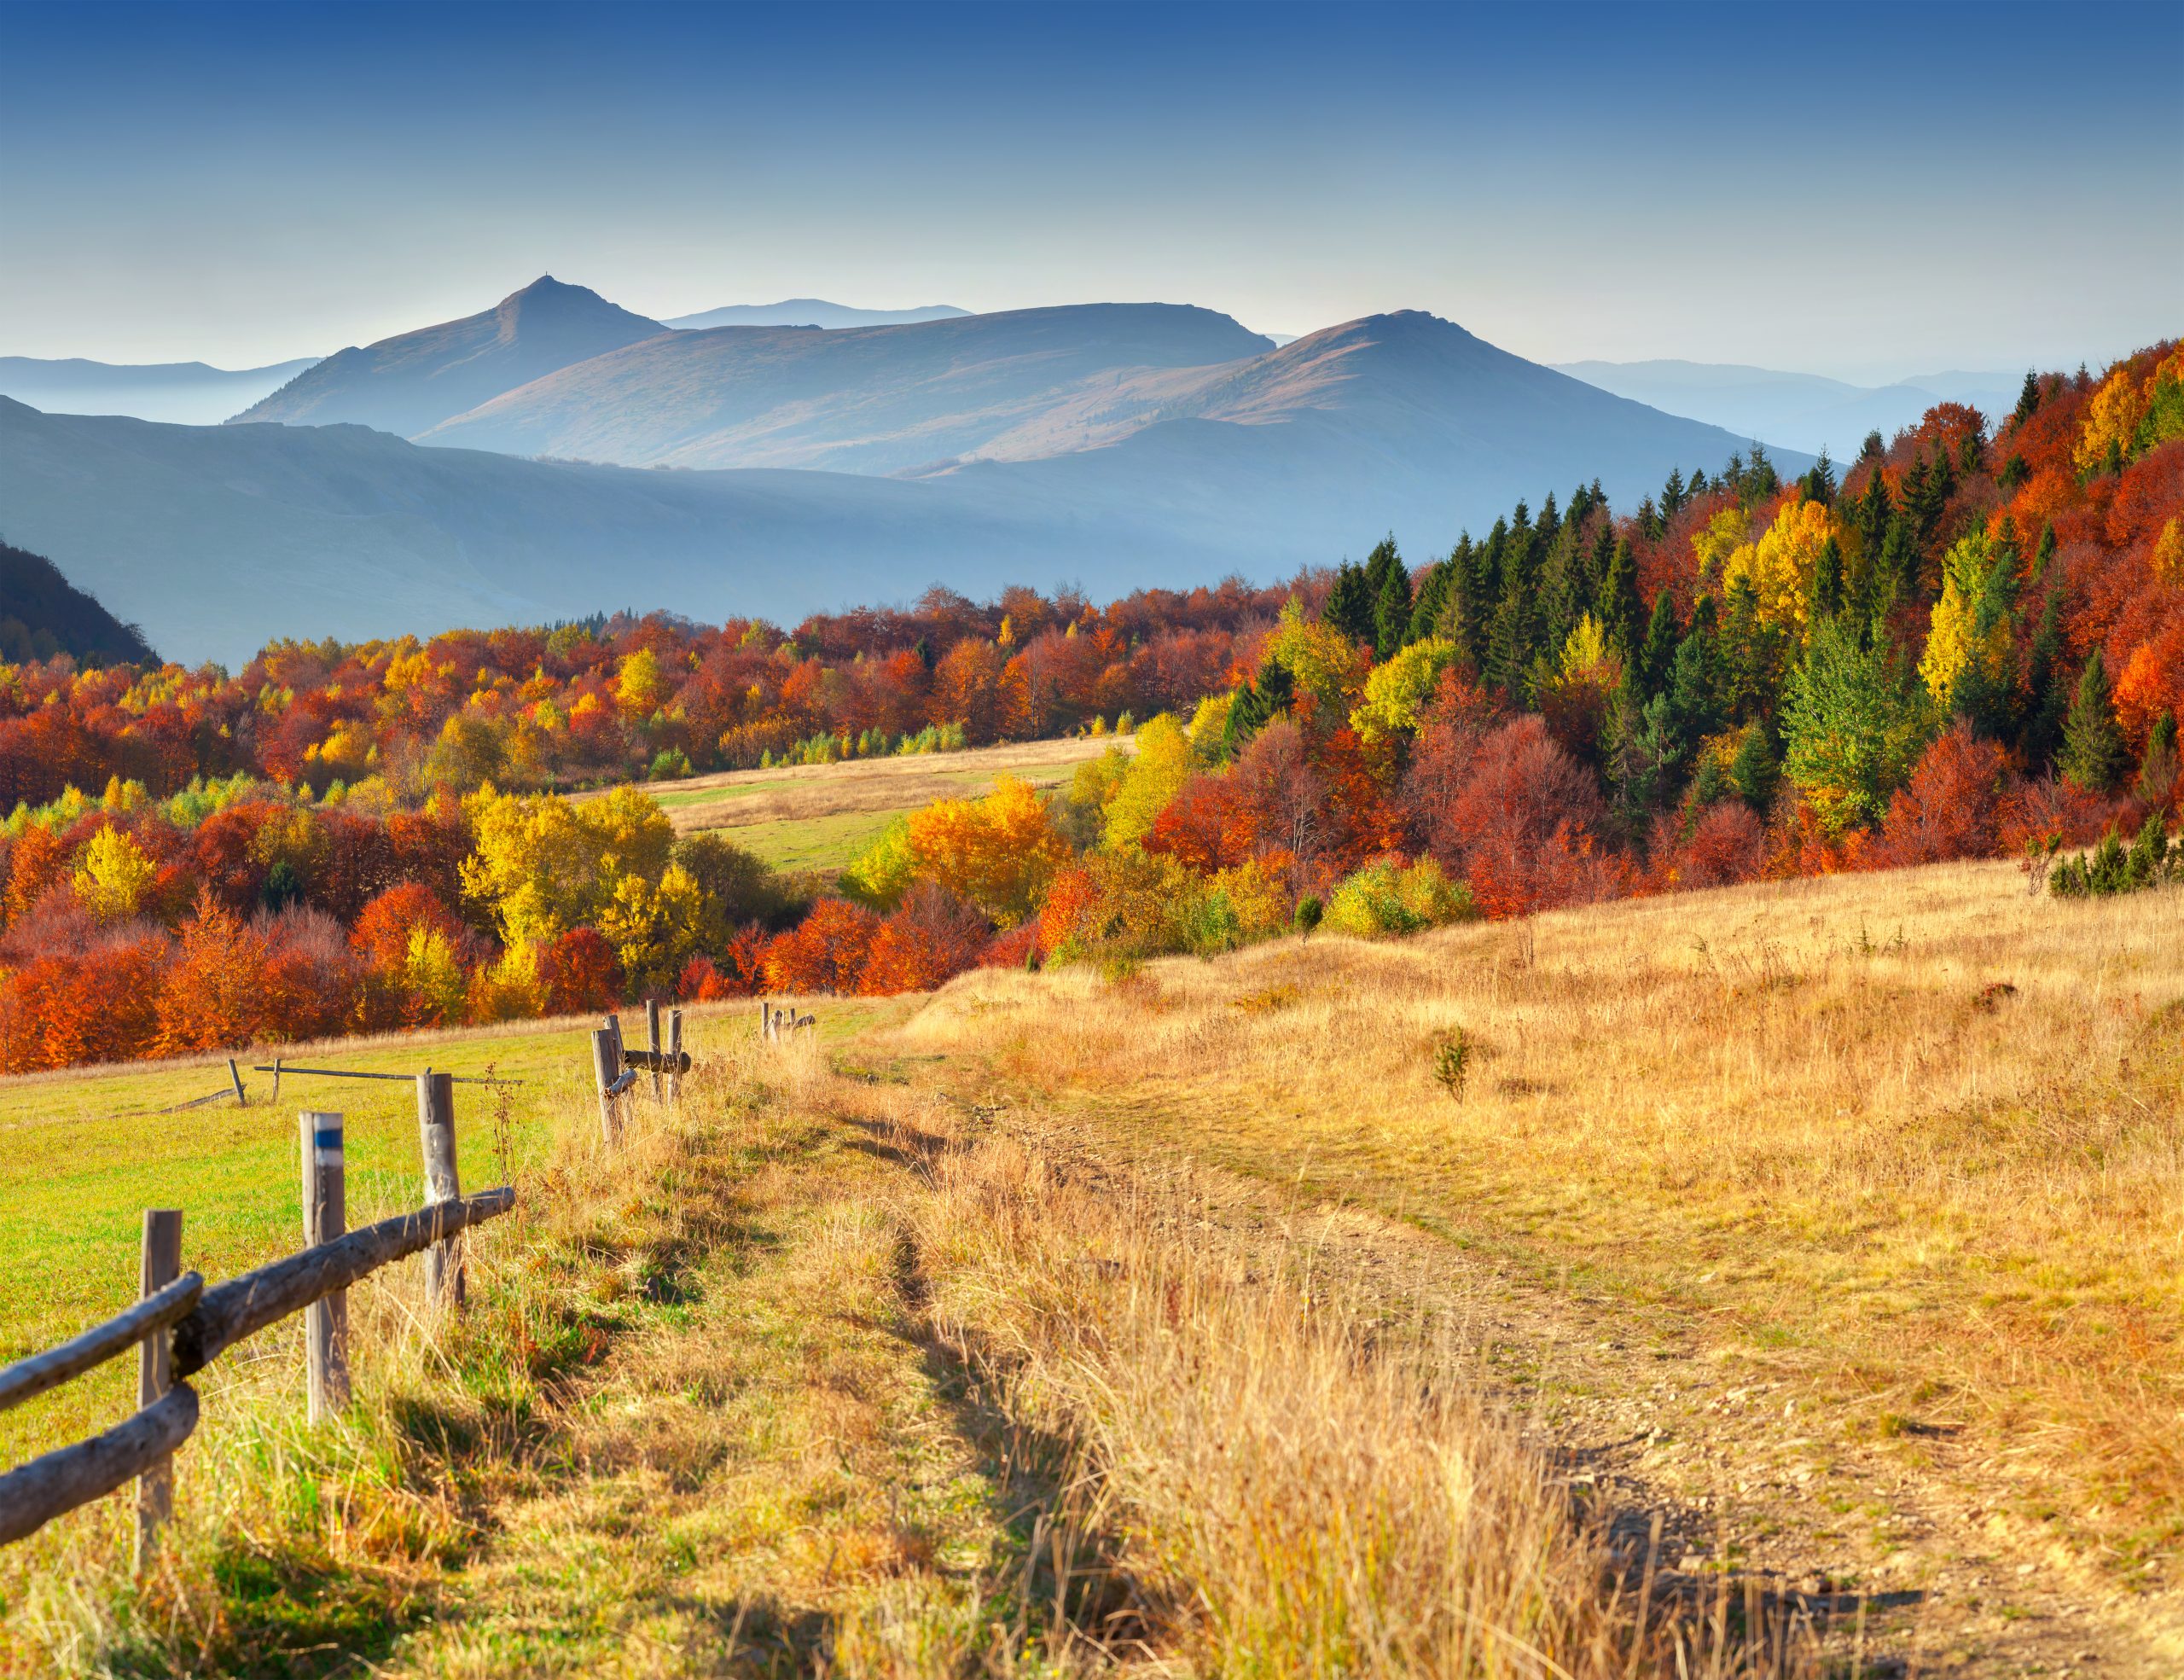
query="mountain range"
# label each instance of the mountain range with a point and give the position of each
(1803, 411)
(810, 312)
(556, 455)
(188, 393)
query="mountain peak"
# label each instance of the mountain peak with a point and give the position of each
(414, 380)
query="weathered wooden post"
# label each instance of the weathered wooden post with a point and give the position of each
(159, 1265)
(651, 1043)
(607, 1068)
(235, 1074)
(444, 1283)
(326, 1216)
(613, 1023)
(765, 1020)
(675, 1054)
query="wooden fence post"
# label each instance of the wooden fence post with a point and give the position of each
(613, 1023)
(326, 1321)
(675, 1054)
(765, 1021)
(651, 1043)
(443, 1283)
(606, 1068)
(235, 1074)
(160, 1264)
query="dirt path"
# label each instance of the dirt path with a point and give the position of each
(1893, 1543)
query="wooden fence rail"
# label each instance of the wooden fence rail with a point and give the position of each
(179, 1326)
(202, 1324)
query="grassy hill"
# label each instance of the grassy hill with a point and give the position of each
(1823, 1232)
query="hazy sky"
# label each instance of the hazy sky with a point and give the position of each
(1866, 192)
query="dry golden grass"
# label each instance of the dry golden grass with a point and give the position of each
(1913, 1139)
(822, 1374)
(801, 793)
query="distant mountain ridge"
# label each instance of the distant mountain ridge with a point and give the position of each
(185, 393)
(869, 399)
(410, 383)
(810, 312)
(1805, 411)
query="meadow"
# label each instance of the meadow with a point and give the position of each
(818, 818)
(1784, 1276)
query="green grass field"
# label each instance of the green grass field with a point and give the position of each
(83, 1154)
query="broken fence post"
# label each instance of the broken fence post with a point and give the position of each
(675, 1054)
(444, 1283)
(326, 1321)
(651, 1043)
(235, 1074)
(159, 1265)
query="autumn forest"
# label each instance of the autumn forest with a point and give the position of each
(1967, 642)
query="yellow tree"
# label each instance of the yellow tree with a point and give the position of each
(1163, 763)
(1325, 663)
(1956, 643)
(1778, 567)
(1398, 687)
(115, 876)
(543, 864)
(998, 852)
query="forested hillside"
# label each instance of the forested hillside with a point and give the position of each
(1962, 644)
(43, 615)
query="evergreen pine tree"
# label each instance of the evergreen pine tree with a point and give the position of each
(1755, 772)
(1515, 637)
(1383, 560)
(1432, 603)
(1828, 580)
(1818, 485)
(1463, 617)
(2028, 400)
(2043, 555)
(1352, 604)
(1620, 607)
(1672, 493)
(1392, 613)
(1695, 676)
(1657, 651)
(2047, 693)
(2158, 766)
(2094, 754)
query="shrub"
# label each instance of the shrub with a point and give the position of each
(671, 763)
(2152, 859)
(1386, 897)
(828, 951)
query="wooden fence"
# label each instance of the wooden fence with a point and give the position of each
(178, 1326)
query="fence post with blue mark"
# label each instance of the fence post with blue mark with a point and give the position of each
(326, 1321)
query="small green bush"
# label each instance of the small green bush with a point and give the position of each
(1385, 897)
(671, 764)
(1309, 910)
(2111, 868)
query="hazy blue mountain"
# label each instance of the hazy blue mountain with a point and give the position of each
(866, 399)
(1803, 411)
(42, 613)
(187, 393)
(218, 538)
(415, 380)
(810, 312)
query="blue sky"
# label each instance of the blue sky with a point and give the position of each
(1868, 192)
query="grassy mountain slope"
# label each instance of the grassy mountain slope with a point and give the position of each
(414, 380)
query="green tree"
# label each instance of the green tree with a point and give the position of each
(1620, 609)
(1657, 651)
(2047, 693)
(2094, 754)
(1853, 722)
(1392, 612)
(1351, 605)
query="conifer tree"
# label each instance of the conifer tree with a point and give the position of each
(1619, 608)
(2047, 690)
(2094, 754)
(1392, 613)
(2028, 400)
(1755, 772)
(1695, 676)
(1673, 494)
(1818, 485)
(1352, 607)
(1516, 627)
(2043, 556)
(1828, 580)
(1657, 651)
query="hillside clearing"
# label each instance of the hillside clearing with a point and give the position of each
(820, 818)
